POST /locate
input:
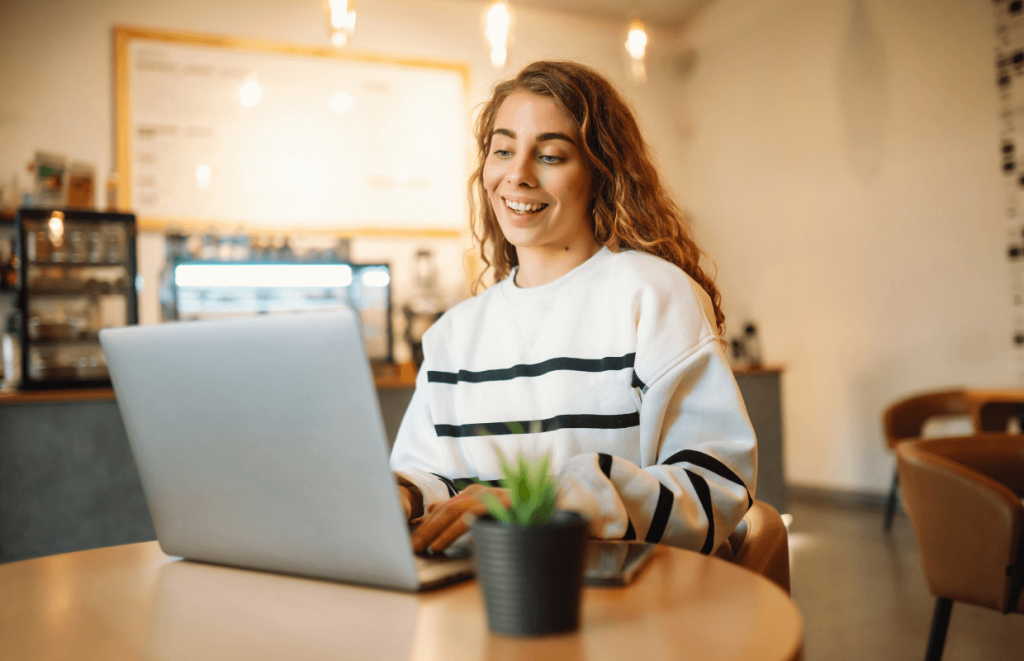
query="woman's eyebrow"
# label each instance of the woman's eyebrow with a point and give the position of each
(555, 136)
(541, 138)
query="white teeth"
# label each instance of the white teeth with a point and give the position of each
(522, 207)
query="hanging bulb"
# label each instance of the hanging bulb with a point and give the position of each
(498, 21)
(250, 92)
(636, 46)
(341, 20)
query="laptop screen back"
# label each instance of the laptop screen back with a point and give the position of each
(260, 444)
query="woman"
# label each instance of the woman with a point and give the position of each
(599, 344)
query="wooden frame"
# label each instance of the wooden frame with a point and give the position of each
(123, 35)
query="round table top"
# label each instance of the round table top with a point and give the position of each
(134, 602)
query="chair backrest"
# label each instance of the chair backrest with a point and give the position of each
(995, 409)
(761, 544)
(905, 418)
(963, 496)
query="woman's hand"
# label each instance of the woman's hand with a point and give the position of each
(406, 496)
(412, 499)
(445, 522)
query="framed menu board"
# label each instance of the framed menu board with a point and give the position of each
(277, 137)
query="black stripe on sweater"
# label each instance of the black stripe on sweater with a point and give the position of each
(452, 490)
(621, 421)
(661, 513)
(700, 485)
(707, 462)
(630, 531)
(609, 364)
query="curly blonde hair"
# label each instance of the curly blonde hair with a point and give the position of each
(631, 210)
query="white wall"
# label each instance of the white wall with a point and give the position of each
(840, 159)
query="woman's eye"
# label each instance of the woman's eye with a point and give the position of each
(548, 158)
(502, 153)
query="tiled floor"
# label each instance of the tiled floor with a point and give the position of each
(863, 594)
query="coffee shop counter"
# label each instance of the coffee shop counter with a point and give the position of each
(67, 478)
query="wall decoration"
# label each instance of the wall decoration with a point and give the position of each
(268, 136)
(1010, 82)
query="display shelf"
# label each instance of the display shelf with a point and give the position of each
(78, 293)
(64, 304)
(78, 265)
(50, 342)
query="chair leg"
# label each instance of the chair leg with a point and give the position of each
(940, 623)
(890, 505)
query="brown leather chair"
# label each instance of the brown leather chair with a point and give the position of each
(905, 419)
(989, 410)
(761, 544)
(963, 496)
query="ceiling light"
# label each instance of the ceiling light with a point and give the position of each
(249, 94)
(341, 20)
(497, 28)
(636, 46)
(341, 102)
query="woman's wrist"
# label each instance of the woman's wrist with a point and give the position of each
(413, 493)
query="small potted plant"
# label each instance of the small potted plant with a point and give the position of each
(529, 557)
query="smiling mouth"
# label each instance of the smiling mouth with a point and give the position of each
(523, 209)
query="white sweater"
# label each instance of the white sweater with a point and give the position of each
(616, 371)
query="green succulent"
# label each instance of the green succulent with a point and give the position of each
(530, 488)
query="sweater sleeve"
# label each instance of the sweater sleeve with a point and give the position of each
(698, 476)
(417, 451)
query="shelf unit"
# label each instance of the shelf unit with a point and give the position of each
(77, 276)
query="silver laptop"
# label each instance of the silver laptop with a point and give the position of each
(260, 444)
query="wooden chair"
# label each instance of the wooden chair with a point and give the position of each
(963, 496)
(761, 544)
(989, 410)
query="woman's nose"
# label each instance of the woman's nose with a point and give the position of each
(520, 173)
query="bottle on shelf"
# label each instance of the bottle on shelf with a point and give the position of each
(752, 345)
(176, 251)
(111, 191)
(11, 352)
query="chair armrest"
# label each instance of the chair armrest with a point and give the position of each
(967, 525)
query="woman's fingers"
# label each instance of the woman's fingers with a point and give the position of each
(447, 522)
(438, 520)
(456, 529)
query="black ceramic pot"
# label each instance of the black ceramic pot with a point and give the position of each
(531, 576)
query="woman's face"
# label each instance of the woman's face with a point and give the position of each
(535, 175)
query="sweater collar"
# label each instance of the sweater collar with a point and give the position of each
(547, 293)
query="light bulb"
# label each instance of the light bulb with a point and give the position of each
(636, 46)
(341, 102)
(636, 42)
(250, 93)
(498, 56)
(341, 20)
(496, 30)
(203, 176)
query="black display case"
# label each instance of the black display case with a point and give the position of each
(77, 276)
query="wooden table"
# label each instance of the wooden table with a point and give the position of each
(133, 602)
